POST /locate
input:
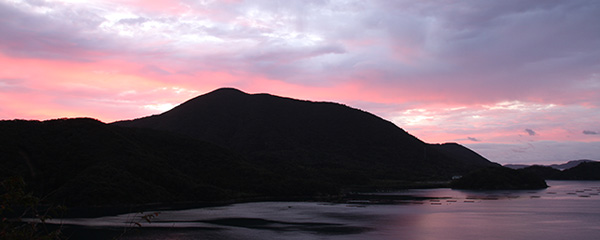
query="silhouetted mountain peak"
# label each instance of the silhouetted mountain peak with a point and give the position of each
(234, 103)
(223, 95)
(268, 146)
(227, 92)
(320, 135)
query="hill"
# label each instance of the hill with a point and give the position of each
(499, 178)
(322, 137)
(573, 170)
(570, 164)
(561, 166)
(87, 162)
(223, 145)
(544, 172)
(583, 171)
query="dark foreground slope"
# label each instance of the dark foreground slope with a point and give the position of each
(321, 138)
(87, 162)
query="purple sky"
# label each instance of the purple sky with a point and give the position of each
(517, 81)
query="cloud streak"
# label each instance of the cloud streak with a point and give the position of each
(530, 132)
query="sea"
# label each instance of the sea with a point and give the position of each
(566, 210)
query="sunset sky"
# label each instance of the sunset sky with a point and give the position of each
(518, 81)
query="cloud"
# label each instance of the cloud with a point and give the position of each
(530, 132)
(588, 132)
(522, 148)
(540, 152)
(12, 85)
(442, 70)
(384, 45)
(27, 34)
(473, 139)
(133, 21)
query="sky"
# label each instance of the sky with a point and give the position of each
(517, 81)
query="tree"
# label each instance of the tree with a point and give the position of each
(20, 215)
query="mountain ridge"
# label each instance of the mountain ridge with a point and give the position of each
(268, 126)
(558, 166)
(577, 170)
(224, 145)
(230, 99)
(84, 162)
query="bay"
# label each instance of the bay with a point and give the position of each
(565, 210)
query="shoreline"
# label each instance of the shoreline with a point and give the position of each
(351, 195)
(348, 194)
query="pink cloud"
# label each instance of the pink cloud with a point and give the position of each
(159, 6)
(439, 71)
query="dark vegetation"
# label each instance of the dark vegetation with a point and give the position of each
(530, 177)
(561, 167)
(319, 138)
(588, 170)
(583, 171)
(221, 146)
(86, 162)
(499, 178)
(543, 171)
(17, 204)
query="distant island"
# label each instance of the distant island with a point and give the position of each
(517, 176)
(225, 145)
(562, 166)
(576, 170)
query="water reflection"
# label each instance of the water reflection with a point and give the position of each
(566, 210)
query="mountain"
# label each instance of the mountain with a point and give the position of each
(220, 146)
(86, 162)
(517, 166)
(544, 172)
(461, 154)
(319, 137)
(570, 164)
(499, 178)
(561, 167)
(583, 171)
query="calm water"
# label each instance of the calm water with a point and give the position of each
(566, 210)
